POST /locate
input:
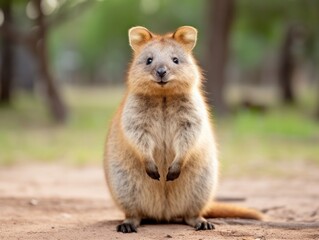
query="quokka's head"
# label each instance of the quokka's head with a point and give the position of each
(163, 64)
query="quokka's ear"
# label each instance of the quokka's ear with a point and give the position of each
(187, 36)
(138, 36)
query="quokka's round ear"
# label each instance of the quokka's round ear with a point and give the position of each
(187, 36)
(138, 36)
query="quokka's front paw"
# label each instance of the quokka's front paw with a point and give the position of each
(152, 171)
(173, 172)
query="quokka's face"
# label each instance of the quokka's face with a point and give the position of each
(163, 64)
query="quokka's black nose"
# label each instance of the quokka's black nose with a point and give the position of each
(161, 72)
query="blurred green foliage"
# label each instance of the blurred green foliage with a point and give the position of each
(97, 33)
(261, 25)
(100, 33)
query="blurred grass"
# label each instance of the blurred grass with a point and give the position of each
(277, 141)
(281, 141)
(27, 134)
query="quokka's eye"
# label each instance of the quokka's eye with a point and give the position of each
(149, 61)
(175, 60)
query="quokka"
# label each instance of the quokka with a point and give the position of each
(160, 157)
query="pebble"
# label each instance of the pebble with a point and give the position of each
(34, 202)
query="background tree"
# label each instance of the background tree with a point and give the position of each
(286, 65)
(220, 17)
(35, 39)
(40, 51)
(6, 55)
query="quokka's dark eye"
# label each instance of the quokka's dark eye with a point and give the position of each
(175, 60)
(149, 61)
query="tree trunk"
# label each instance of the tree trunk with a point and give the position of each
(286, 67)
(56, 105)
(7, 58)
(220, 18)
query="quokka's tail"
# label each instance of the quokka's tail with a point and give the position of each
(224, 210)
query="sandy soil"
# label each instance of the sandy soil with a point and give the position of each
(59, 202)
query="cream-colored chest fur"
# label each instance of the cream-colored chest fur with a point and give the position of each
(163, 118)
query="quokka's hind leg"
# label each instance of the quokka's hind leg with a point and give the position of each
(199, 223)
(129, 225)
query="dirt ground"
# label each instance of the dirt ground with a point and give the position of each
(59, 202)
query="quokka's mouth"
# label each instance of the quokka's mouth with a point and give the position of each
(162, 83)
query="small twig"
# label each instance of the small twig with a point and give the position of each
(314, 213)
(230, 199)
(265, 210)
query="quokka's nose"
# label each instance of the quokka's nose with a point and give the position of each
(161, 72)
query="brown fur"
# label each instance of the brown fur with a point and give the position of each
(161, 157)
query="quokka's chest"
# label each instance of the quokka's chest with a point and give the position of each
(163, 115)
(161, 122)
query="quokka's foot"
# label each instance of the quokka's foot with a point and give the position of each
(126, 228)
(199, 223)
(204, 226)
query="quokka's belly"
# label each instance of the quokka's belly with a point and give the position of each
(185, 196)
(137, 193)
